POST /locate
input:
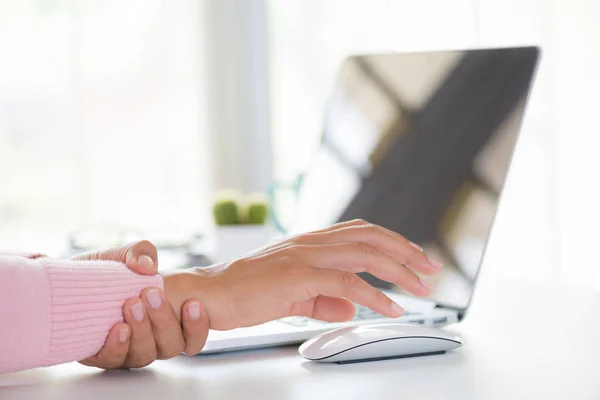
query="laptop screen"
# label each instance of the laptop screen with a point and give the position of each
(421, 143)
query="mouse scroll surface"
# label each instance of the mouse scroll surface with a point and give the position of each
(377, 341)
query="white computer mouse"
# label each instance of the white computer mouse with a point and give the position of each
(377, 342)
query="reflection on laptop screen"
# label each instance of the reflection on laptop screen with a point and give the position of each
(420, 143)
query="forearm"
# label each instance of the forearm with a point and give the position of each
(55, 311)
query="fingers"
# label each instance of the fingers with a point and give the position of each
(333, 283)
(114, 352)
(325, 308)
(168, 336)
(363, 257)
(142, 350)
(393, 244)
(140, 257)
(152, 332)
(195, 326)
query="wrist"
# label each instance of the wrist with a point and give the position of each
(183, 285)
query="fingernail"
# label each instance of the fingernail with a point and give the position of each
(137, 311)
(416, 246)
(123, 335)
(425, 284)
(147, 263)
(434, 263)
(154, 298)
(397, 309)
(193, 310)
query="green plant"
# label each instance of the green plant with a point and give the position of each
(257, 212)
(228, 209)
(226, 212)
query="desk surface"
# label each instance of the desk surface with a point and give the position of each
(543, 343)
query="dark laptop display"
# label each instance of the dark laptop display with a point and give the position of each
(421, 143)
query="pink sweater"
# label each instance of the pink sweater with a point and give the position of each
(55, 311)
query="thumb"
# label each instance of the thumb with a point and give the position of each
(140, 257)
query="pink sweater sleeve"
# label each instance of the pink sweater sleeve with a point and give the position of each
(55, 311)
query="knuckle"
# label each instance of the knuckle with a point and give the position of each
(373, 229)
(365, 247)
(349, 280)
(359, 221)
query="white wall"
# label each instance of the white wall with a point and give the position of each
(576, 97)
(234, 33)
(562, 118)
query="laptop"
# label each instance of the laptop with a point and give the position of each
(420, 143)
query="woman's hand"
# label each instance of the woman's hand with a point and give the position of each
(151, 329)
(312, 275)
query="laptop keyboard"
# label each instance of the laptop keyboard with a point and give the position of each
(362, 313)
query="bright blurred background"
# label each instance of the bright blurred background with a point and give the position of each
(135, 113)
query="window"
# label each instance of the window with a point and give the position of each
(100, 119)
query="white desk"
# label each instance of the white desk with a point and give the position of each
(551, 353)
